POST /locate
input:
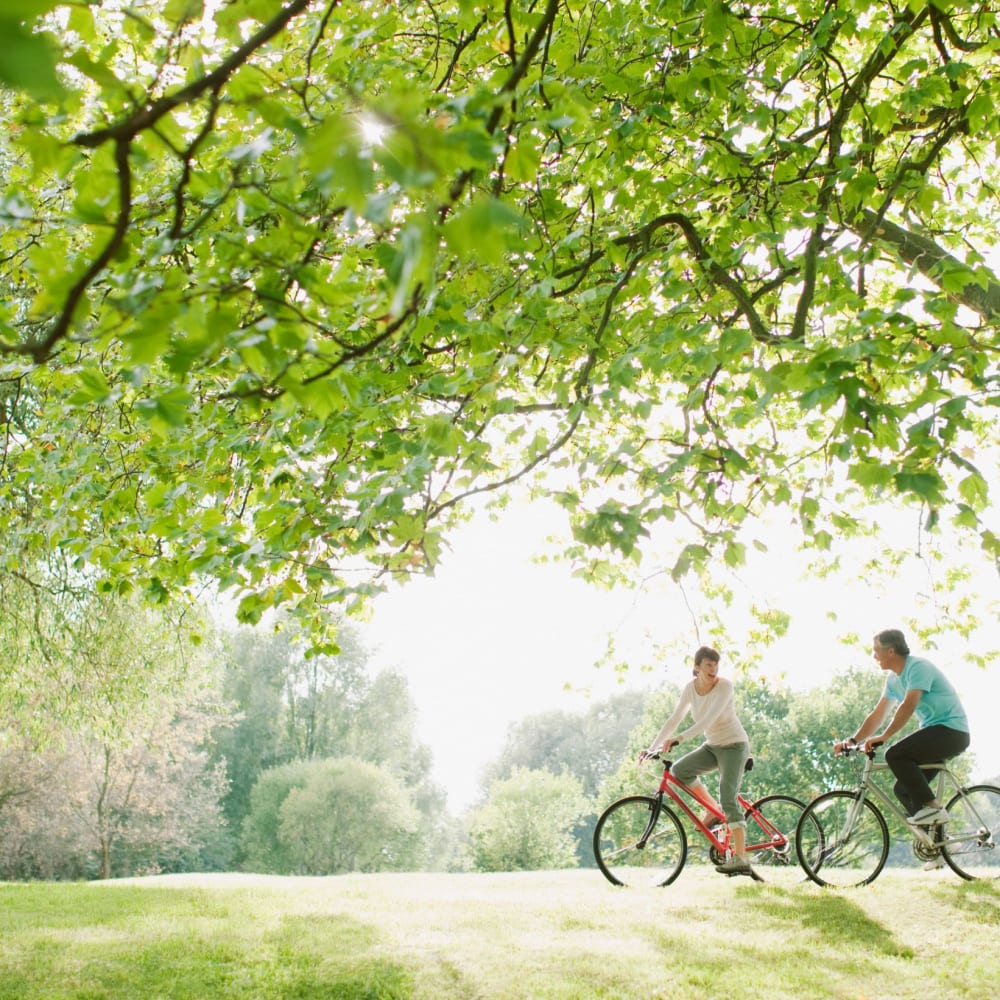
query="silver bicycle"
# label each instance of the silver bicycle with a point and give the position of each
(843, 840)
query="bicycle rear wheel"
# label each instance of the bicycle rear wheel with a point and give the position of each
(972, 836)
(626, 856)
(771, 840)
(840, 842)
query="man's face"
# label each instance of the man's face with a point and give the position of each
(882, 656)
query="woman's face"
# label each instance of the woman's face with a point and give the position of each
(706, 668)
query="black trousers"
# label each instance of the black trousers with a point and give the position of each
(925, 746)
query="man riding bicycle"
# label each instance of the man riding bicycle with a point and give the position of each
(919, 688)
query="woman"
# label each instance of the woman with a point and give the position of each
(709, 699)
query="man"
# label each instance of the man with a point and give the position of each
(916, 687)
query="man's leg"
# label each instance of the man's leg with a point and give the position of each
(925, 746)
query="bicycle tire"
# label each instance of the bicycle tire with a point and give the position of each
(829, 859)
(972, 836)
(617, 835)
(780, 863)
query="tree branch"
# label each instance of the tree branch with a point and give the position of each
(930, 260)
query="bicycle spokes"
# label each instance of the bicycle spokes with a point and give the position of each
(971, 839)
(842, 840)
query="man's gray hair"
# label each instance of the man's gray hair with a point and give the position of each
(892, 638)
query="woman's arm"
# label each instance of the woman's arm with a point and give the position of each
(718, 701)
(668, 728)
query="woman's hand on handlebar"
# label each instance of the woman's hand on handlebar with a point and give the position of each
(653, 753)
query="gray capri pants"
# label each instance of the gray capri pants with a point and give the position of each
(730, 760)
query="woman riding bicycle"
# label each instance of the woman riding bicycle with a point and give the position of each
(709, 699)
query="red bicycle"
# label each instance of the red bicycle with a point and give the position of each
(640, 840)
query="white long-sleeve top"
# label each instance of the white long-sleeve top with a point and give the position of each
(714, 714)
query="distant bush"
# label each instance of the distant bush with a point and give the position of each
(527, 822)
(329, 817)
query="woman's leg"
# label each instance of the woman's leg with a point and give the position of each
(689, 770)
(732, 760)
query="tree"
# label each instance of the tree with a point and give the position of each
(103, 766)
(151, 802)
(527, 822)
(39, 835)
(249, 742)
(587, 745)
(286, 285)
(291, 707)
(327, 817)
(352, 816)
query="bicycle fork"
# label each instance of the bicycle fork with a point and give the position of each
(654, 815)
(852, 816)
(843, 838)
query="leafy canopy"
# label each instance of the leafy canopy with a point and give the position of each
(285, 285)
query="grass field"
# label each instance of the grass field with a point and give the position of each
(527, 935)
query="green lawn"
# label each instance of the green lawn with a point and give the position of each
(541, 934)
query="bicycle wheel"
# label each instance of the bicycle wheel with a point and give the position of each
(771, 839)
(625, 857)
(840, 842)
(972, 836)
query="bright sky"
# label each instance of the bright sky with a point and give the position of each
(494, 636)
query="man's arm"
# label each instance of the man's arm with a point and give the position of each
(872, 721)
(901, 717)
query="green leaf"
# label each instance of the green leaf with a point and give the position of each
(27, 61)
(484, 231)
(927, 485)
(974, 491)
(167, 410)
(93, 386)
(870, 474)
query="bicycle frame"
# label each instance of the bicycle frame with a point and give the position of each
(868, 787)
(674, 788)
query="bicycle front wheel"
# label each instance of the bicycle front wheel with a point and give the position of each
(771, 837)
(628, 853)
(972, 836)
(840, 841)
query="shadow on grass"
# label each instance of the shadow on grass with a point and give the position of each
(835, 919)
(981, 900)
(123, 943)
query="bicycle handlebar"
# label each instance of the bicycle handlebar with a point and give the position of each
(846, 747)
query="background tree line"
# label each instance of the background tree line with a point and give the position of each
(191, 748)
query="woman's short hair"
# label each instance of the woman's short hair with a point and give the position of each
(892, 638)
(706, 653)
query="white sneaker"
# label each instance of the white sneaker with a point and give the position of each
(934, 864)
(928, 816)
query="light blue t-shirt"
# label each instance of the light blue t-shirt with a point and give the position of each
(939, 705)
